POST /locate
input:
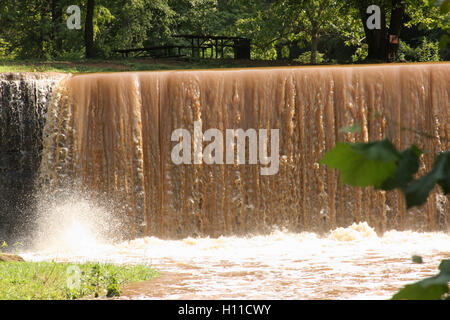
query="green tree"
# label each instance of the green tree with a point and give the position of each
(143, 22)
(383, 43)
(37, 28)
(290, 21)
(210, 17)
(26, 25)
(89, 29)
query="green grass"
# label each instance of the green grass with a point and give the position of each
(87, 66)
(131, 64)
(60, 66)
(60, 281)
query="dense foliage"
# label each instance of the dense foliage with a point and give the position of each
(311, 31)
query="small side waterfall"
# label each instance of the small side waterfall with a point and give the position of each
(23, 106)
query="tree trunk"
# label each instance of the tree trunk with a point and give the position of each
(56, 25)
(44, 35)
(89, 29)
(314, 45)
(376, 38)
(397, 14)
(279, 49)
(294, 50)
(383, 43)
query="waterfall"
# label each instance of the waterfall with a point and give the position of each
(111, 135)
(23, 104)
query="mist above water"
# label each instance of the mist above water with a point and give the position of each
(72, 223)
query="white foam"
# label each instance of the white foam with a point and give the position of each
(351, 262)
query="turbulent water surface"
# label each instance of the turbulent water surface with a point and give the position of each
(348, 263)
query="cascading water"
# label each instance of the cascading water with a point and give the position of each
(234, 233)
(23, 105)
(112, 132)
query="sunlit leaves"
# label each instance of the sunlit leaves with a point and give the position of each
(299, 22)
(363, 164)
(426, 14)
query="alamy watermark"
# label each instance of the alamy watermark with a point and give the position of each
(74, 19)
(73, 281)
(374, 20)
(191, 151)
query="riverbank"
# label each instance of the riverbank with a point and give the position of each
(141, 64)
(62, 281)
(138, 64)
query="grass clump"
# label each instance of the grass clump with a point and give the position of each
(61, 281)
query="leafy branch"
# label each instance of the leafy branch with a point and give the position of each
(432, 288)
(381, 165)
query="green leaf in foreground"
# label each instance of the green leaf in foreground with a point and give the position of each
(407, 167)
(432, 288)
(417, 193)
(363, 164)
(383, 151)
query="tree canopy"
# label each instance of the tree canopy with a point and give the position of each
(278, 29)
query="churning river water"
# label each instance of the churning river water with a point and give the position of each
(348, 263)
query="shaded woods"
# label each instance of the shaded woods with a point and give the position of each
(309, 31)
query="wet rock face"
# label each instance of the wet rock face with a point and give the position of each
(23, 105)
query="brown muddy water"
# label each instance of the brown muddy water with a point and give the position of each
(347, 263)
